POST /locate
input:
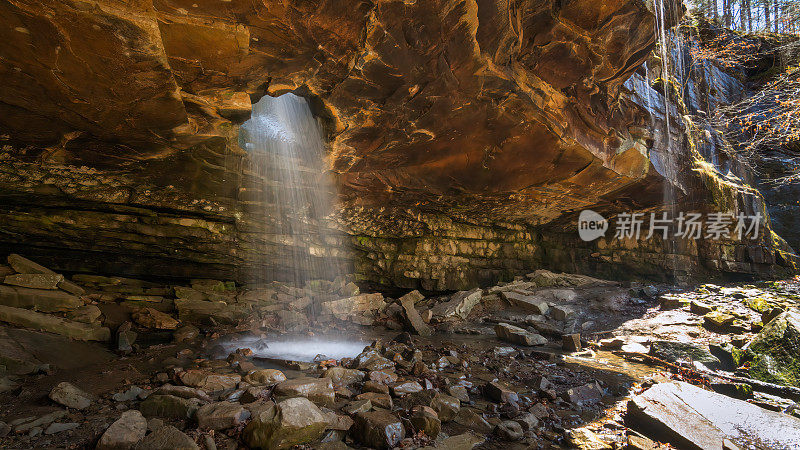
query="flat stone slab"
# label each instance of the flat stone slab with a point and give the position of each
(689, 417)
(38, 299)
(517, 335)
(43, 322)
(531, 303)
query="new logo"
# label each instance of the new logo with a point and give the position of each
(591, 225)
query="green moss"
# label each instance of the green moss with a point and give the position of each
(774, 355)
(758, 304)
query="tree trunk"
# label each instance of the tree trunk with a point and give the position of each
(768, 22)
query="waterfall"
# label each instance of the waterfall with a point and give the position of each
(287, 150)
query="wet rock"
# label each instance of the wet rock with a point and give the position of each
(182, 392)
(675, 352)
(585, 439)
(774, 354)
(509, 430)
(27, 424)
(318, 390)
(125, 339)
(166, 438)
(562, 312)
(401, 388)
(669, 302)
(446, 407)
(641, 443)
(473, 420)
(124, 432)
(499, 392)
(185, 333)
(382, 376)
(60, 427)
(357, 406)
(265, 377)
(380, 400)
(292, 320)
(70, 396)
(459, 306)
(34, 280)
(45, 322)
(128, 395)
(378, 429)
(530, 303)
(412, 315)
(295, 421)
(221, 415)
(371, 360)
(424, 419)
(341, 376)
(588, 394)
(517, 335)
(528, 421)
(464, 441)
(151, 318)
(209, 382)
(169, 406)
(718, 320)
(571, 342)
(459, 392)
(689, 417)
(371, 386)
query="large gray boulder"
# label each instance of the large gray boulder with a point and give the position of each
(125, 432)
(295, 421)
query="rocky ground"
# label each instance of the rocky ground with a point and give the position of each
(546, 361)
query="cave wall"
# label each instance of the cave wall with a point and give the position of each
(464, 137)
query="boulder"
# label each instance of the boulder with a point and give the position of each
(571, 342)
(378, 429)
(38, 299)
(208, 381)
(692, 418)
(588, 394)
(562, 313)
(265, 377)
(466, 441)
(404, 387)
(346, 308)
(318, 390)
(424, 419)
(151, 318)
(459, 306)
(530, 303)
(412, 315)
(34, 280)
(44, 322)
(585, 439)
(25, 265)
(473, 420)
(774, 354)
(70, 396)
(166, 437)
(125, 432)
(499, 392)
(295, 421)
(675, 352)
(508, 430)
(446, 407)
(517, 335)
(169, 406)
(380, 400)
(221, 415)
(341, 376)
(206, 311)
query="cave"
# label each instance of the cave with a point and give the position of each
(456, 224)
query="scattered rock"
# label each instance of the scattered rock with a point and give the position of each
(378, 429)
(717, 320)
(459, 306)
(182, 392)
(265, 377)
(125, 432)
(531, 303)
(34, 280)
(571, 342)
(499, 392)
(70, 396)
(185, 333)
(380, 400)
(509, 430)
(459, 392)
(295, 421)
(412, 315)
(128, 395)
(209, 382)
(402, 388)
(774, 354)
(424, 419)
(85, 314)
(585, 439)
(166, 438)
(446, 407)
(587, 394)
(341, 376)
(60, 427)
(151, 318)
(562, 312)
(675, 352)
(700, 308)
(221, 415)
(45, 322)
(473, 420)
(517, 335)
(318, 390)
(169, 406)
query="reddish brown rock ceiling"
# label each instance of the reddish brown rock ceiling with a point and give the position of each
(435, 97)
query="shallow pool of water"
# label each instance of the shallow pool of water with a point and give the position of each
(297, 349)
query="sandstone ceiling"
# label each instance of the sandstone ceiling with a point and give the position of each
(513, 104)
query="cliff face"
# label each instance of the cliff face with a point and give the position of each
(464, 135)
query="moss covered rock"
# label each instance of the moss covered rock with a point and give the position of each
(774, 354)
(295, 421)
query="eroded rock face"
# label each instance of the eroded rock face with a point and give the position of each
(460, 133)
